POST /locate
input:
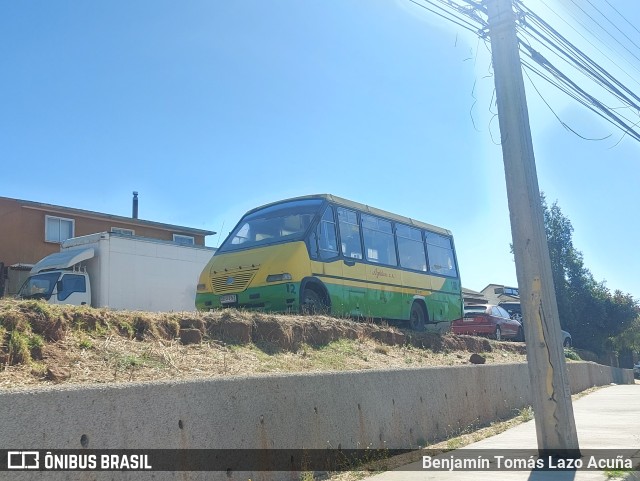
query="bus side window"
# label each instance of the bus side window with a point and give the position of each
(440, 254)
(411, 248)
(378, 240)
(349, 233)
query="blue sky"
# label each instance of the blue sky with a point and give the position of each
(210, 108)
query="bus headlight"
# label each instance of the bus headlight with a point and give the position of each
(201, 287)
(279, 277)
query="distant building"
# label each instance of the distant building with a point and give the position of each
(473, 297)
(33, 230)
(498, 293)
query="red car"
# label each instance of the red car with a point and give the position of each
(487, 320)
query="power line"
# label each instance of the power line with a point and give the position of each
(595, 46)
(622, 16)
(461, 22)
(578, 59)
(614, 25)
(582, 96)
(605, 30)
(532, 26)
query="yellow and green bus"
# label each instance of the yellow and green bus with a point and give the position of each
(322, 253)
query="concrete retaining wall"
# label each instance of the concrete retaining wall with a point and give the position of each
(584, 375)
(392, 409)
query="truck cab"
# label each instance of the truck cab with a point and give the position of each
(59, 279)
(58, 287)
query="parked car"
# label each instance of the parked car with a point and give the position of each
(567, 341)
(513, 308)
(487, 320)
(515, 312)
(636, 370)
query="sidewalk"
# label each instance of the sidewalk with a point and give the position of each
(605, 419)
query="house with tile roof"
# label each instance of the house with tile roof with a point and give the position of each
(31, 230)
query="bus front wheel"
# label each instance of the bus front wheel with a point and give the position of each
(313, 303)
(417, 318)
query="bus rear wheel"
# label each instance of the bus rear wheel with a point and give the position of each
(418, 317)
(313, 302)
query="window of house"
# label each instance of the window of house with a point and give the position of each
(58, 229)
(122, 231)
(411, 248)
(378, 240)
(186, 240)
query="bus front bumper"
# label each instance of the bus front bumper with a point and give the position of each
(273, 298)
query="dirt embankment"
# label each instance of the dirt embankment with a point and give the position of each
(44, 344)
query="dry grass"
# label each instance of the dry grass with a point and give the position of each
(67, 344)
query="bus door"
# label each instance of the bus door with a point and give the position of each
(326, 263)
(353, 269)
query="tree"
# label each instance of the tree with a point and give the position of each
(627, 342)
(587, 308)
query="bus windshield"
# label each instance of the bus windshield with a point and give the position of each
(284, 222)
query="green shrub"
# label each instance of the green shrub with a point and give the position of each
(125, 328)
(19, 352)
(569, 353)
(36, 341)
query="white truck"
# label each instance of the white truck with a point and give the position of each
(119, 272)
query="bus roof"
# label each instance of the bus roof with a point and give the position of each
(363, 208)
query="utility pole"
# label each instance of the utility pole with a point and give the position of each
(555, 424)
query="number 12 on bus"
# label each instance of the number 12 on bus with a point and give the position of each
(325, 254)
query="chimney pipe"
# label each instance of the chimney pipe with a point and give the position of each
(135, 205)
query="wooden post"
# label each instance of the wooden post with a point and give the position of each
(555, 424)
